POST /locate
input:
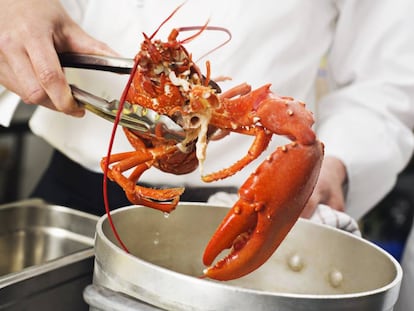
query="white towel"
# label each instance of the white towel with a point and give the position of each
(328, 216)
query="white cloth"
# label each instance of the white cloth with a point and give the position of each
(326, 215)
(366, 121)
(8, 104)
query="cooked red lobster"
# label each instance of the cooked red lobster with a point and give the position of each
(166, 79)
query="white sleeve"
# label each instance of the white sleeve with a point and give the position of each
(367, 120)
(8, 104)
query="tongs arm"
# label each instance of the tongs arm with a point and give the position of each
(146, 121)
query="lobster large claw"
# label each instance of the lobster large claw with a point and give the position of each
(270, 202)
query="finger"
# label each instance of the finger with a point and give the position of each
(30, 90)
(336, 202)
(311, 205)
(50, 75)
(7, 77)
(22, 79)
(11, 83)
(22, 87)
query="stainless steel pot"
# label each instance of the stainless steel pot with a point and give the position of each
(315, 268)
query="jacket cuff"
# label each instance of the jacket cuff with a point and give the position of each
(8, 104)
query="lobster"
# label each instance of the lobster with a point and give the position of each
(166, 79)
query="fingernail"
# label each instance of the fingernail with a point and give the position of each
(76, 113)
(79, 113)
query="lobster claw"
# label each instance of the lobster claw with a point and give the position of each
(270, 202)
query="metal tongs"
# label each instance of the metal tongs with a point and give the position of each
(134, 116)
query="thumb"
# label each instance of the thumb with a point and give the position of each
(78, 41)
(311, 205)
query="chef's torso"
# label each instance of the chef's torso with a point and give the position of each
(268, 45)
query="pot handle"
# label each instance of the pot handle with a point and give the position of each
(101, 298)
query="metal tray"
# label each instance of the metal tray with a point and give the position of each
(46, 256)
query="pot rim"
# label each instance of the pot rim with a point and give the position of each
(393, 285)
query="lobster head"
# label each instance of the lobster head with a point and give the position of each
(164, 77)
(167, 81)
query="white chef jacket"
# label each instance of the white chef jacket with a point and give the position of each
(365, 121)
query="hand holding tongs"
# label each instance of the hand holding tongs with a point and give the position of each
(134, 116)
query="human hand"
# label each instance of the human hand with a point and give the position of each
(31, 34)
(329, 187)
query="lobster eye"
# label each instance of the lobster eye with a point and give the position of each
(195, 120)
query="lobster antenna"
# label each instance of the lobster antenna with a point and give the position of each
(192, 28)
(201, 29)
(166, 20)
(106, 166)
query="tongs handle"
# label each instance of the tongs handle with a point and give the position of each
(96, 62)
(107, 63)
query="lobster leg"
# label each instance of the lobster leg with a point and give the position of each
(237, 105)
(270, 202)
(260, 143)
(162, 199)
